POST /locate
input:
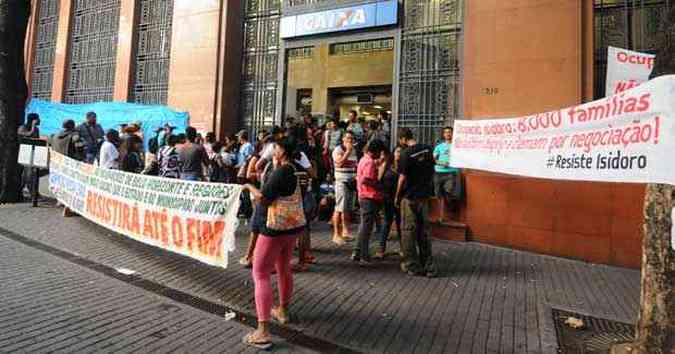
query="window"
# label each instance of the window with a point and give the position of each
(628, 24)
(45, 47)
(348, 48)
(429, 95)
(93, 51)
(153, 50)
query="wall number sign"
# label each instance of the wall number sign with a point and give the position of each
(490, 91)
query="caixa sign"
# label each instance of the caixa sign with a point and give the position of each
(376, 14)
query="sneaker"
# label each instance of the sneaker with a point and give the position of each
(338, 241)
(379, 254)
(348, 238)
(431, 274)
(355, 256)
(364, 263)
(409, 270)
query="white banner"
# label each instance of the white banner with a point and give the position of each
(627, 69)
(195, 219)
(629, 137)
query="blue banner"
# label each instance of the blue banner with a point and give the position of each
(109, 115)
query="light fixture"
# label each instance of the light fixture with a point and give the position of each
(377, 106)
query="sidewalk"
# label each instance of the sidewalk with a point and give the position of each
(48, 304)
(486, 299)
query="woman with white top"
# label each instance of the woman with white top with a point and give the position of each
(109, 155)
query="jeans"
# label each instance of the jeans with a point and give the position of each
(391, 214)
(90, 157)
(190, 176)
(369, 211)
(415, 238)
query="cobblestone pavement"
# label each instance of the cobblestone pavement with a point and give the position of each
(486, 299)
(48, 304)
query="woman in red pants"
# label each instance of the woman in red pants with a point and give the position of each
(274, 249)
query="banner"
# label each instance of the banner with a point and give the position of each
(195, 219)
(627, 69)
(629, 137)
(108, 114)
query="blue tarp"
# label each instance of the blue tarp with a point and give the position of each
(109, 115)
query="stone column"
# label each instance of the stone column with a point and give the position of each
(61, 52)
(125, 50)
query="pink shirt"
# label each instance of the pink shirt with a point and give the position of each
(367, 169)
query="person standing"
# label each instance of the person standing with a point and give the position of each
(110, 156)
(32, 127)
(259, 216)
(163, 135)
(331, 139)
(413, 193)
(68, 143)
(29, 130)
(192, 157)
(385, 122)
(391, 212)
(244, 156)
(274, 249)
(344, 157)
(357, 128)
(168, 159)
(130, 155)
(92, 134)
(447, 179)
(368, 177)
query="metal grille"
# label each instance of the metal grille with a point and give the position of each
(291, 3)
(93, 51)
(260, 60)
(596, 336)
(301, 53)
(45, 47)
(153, 51)
(359, 47)
(430, 70)
(628, 24)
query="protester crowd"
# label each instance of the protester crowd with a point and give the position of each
(291, 175)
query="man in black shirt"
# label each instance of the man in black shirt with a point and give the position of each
(413, 193)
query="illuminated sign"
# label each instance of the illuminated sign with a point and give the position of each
(356, 17)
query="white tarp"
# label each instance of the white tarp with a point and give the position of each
(627, 69)
(195, 219)
(628, 137)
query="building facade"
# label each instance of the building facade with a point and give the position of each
(251, 63)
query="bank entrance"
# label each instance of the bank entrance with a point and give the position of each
(332, 77)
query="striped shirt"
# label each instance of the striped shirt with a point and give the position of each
(348, 169)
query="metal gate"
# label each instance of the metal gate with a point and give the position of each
(429, 79)
(260, 60)
(45, 47)
(153, 50)
(93, 51)
(628, 24)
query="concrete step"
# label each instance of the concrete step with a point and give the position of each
(449, 230)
